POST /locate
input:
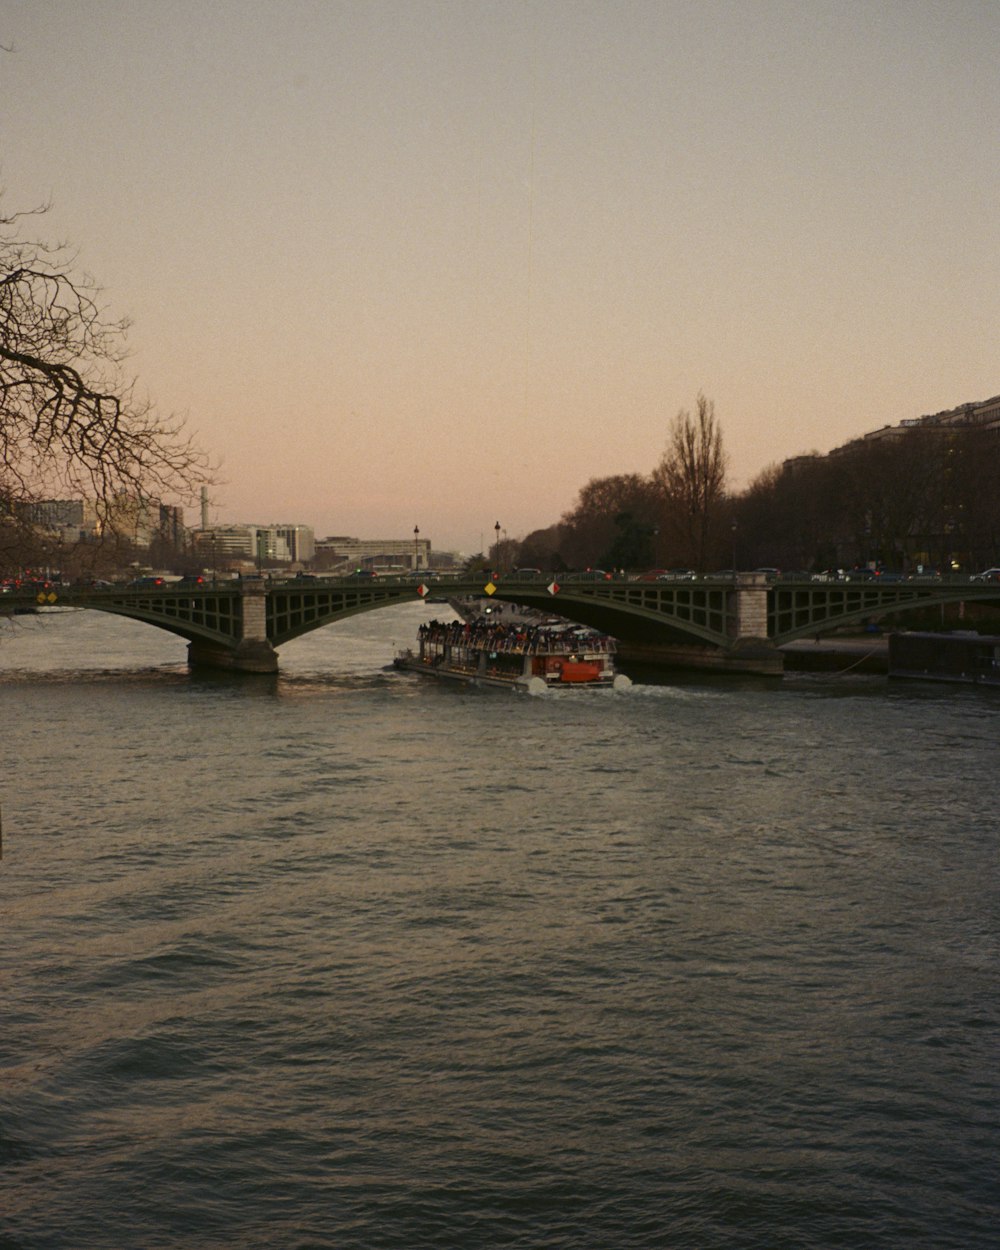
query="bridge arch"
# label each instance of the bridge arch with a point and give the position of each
(803, 610)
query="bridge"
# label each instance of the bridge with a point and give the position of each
(733, 624)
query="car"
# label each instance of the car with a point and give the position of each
(987, 575)
(362, 575)
(146, 583)
(527, 574)
(190, 579)
(588, 575)
(677, 575)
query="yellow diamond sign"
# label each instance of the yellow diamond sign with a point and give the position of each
(490, 589)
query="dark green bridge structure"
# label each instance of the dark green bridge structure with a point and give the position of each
(736, 624)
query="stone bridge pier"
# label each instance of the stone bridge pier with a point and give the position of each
(751, 648)
(253, 651)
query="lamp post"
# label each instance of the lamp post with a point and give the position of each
(496, 548)
(416, 546)
(734, 552)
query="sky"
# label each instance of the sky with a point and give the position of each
(439, 263)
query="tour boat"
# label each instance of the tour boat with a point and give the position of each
(519, 655)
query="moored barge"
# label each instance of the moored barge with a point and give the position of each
(968, 658)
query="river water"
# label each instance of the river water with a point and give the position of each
(345, 958)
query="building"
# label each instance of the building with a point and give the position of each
(976, 416)
(284, 544)
(299, 541)
(378, 553)
(69, 520)
(172, 528)
(139, 521)
(223, 542)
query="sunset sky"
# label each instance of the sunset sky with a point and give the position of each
(440, 262)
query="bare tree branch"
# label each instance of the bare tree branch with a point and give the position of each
(692, 477)
(71, 422)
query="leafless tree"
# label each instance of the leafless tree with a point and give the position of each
(692, 478)
(71, 422)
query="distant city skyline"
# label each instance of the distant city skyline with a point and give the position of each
(438, 263)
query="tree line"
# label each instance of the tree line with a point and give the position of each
(912, 499)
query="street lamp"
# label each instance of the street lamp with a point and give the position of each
(734, 551)
(416, 547)
(496, 549)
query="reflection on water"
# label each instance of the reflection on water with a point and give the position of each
(344, 958)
